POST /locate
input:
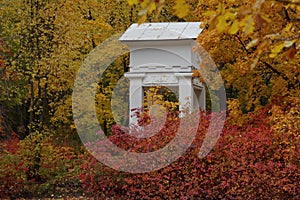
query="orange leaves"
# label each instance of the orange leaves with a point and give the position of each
(261, 20)
(285, 122)
(196, 73)
(235, 113)
(291, 52)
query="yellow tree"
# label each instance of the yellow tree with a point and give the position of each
(255, 45)
(260, 39)
(51, 39)
(9, 99)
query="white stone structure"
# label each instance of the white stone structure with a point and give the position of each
(161, 54)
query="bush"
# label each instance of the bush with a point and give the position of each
(11, 168)
(36, 167)
(248, 162)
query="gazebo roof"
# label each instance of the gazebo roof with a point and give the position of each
(162, 31)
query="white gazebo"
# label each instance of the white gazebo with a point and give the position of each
(161, 55)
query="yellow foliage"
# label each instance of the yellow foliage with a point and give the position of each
(235, 114)
(151, 8)
(255, 46)
(248, 25)
(132, 2)
(285, 122)
(181, 8)
(156, 95)
(234, 27)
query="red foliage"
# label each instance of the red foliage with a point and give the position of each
(154, 142)
(246, 163)
(10, 166)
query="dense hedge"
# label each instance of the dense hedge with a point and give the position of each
(248, 162)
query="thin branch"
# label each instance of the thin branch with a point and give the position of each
(286, 14)
(279, 38)
(242, 43)
(282, 75)
(288, 2)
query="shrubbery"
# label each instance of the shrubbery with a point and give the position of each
(36, 167)
(248, 162)
(11, 168)
(255, 159)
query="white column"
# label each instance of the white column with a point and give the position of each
(186, 94)
(202, 99)
(136, 94)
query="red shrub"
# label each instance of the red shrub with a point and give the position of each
(246, 163)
